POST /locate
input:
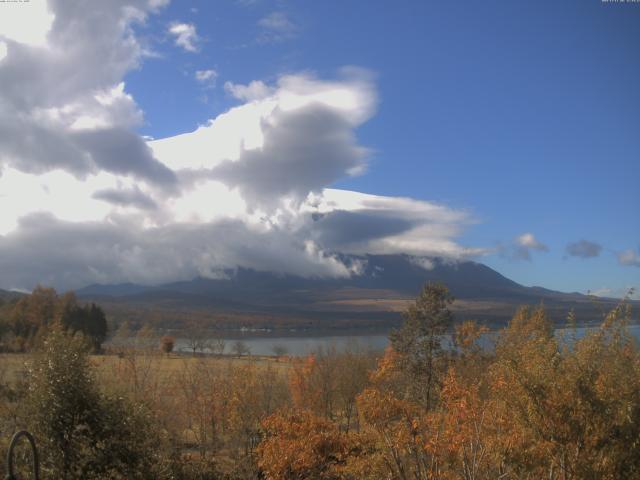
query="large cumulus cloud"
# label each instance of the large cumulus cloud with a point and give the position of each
(306, 242)
(72, 254)
(358, 223)
(302, 152)
(62, 104)
(85, 199)
(293, 139)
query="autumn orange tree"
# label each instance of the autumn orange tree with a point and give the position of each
(30, 317)
(462, 430)
(538, 405)
(327, 382)
(301, 445)
(573, 411)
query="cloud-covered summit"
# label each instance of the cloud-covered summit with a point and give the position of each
(86, 199)
(251, 178)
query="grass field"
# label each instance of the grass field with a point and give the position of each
(14, 366)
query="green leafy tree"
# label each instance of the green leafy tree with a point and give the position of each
(83, 433)
(88, 319)
(418, 341)
(32, 314)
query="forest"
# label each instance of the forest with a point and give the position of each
(434, 405)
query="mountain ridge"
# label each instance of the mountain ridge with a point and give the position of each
(386, 284)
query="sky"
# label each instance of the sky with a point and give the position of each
(151, 141)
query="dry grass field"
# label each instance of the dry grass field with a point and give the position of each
(14, 366)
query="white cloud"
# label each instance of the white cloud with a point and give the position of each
(181, 245)
(277, 21)
(250, 188)
(297, 140)
(423, 262)
(528, 240)
(351, 98)
(64, 104)
(185, 35)
(629, 258)
(57, 192)
(207, 77)
(358, 223)
(522, 247)
(81, 253)
(209, 224)
(626, 292)
(26, 22)
(255, 90)
(277, 27)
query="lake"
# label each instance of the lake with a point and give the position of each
(304, 345)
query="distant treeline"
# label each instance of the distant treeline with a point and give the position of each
(24, 320)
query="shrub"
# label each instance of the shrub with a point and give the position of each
(81, 432)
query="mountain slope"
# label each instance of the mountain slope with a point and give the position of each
(9, 295)
(373, 298)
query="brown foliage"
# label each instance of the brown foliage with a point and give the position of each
(167, 342)
(539, 407)
(300, 445)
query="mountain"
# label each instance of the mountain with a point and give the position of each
(9, 295)
(371, 299)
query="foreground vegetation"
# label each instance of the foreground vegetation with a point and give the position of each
(536, 407)
(25, 320)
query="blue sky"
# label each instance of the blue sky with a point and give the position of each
(525, 113)
(514, 127)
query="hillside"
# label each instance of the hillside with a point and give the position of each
(8, 295)
(373, 299)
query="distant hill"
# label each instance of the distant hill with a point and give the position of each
(372, 299)
(8, 295)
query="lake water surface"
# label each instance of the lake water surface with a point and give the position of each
(304, 345)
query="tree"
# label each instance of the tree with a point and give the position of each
(88, 319)
(300, 445)
(33, 312)
(97, 325)
(83, 433)
(279, 350)
(31, 316)
(469, 357)
(568, 412)
(216, 345)
(196, 338)
(122, 338)
(254, 393)
(418, 341)
(146, 339)
(240, 348)
(167, 342)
